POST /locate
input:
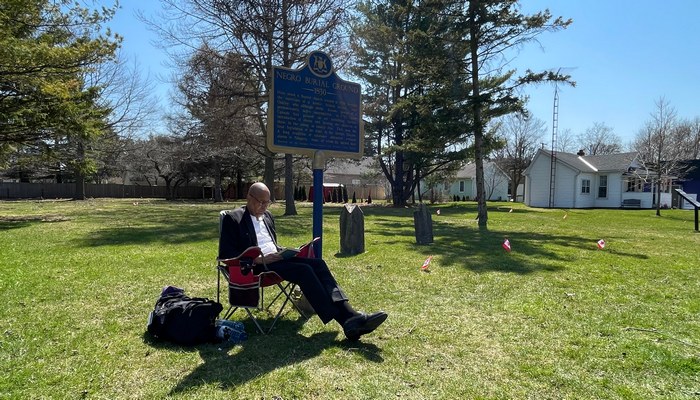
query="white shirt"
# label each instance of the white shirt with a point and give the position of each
(265, 242)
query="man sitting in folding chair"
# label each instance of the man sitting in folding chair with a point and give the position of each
(253, 225)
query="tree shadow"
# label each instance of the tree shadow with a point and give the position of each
(482, 251)
(189, 231)
(146, 225)
(14, 222)
(260, 355)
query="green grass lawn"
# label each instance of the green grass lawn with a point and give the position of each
(556, 318)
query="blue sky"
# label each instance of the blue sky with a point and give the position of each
(623, 54)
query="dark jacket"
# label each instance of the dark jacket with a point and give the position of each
(238, 233)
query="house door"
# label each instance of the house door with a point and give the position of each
(675, 197)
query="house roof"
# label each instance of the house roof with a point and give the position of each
(595, 163)
(690, 170)
(341, 166)
(468, 171)
(612, 162)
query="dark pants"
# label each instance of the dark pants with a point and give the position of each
(316, 281)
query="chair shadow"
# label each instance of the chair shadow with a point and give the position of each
(259, 355)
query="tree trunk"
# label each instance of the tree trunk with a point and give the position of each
(168, 188)
(79, 187)
(476, 110)
(218, 196)
(289, 205)
(239, 185)
(269, 174)
(79, 174)
(658, 196)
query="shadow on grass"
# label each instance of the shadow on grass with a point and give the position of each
(10, 222)
(153, 225)
(482, 251)
(260, 355)
(189, 231)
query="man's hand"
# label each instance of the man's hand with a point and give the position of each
(269, 259)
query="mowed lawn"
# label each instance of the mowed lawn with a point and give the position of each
(556, 318)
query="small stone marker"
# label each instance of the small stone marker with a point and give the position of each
(424, 225)
(352, 230)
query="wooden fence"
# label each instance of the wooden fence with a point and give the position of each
(13, 190)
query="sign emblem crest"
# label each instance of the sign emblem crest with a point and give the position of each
(320, 64)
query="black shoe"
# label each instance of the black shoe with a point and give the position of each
(363, 324)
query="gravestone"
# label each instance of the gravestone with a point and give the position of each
(352, 230)
(424, 225)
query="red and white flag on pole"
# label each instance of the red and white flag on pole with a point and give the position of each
(506, 245)
(601, 244)
(426, 264)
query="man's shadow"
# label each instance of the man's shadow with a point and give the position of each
(261, 354)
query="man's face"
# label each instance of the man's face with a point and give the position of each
(258, 202)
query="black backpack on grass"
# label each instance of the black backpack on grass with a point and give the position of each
(183, 320)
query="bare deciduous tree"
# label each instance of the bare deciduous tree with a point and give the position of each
(688, 133)
(566, 142)
(264, 33)
(599, 140)
(657, 145)
(522, 135)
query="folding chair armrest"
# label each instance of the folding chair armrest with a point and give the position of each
(251, 253)
(245, 260)
(307, 250)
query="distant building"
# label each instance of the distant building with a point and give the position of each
(598, 181)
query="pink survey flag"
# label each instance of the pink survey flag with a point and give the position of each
(506, 245)
(601, 244)
(426, 264)
(565, 215)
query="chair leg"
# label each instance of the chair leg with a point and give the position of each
(257, 324)
(279, 313)
(285, 291)
(294, 304)
(233, 309)
(229, 312)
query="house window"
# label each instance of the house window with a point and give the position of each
(461, 186)
(603, 186)
(585, 186)
(634, 185)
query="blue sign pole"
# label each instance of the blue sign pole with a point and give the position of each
(314, 112)
(318, 164)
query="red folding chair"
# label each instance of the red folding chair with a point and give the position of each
(246, 289)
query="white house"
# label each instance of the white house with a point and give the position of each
(464, 184)
(600, 181)
(361, 177)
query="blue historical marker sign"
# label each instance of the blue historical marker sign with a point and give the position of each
(311, 109)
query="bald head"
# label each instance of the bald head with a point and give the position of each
(258, 189)
(258, 199)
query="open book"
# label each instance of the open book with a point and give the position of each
(288, 253)
(305, 250)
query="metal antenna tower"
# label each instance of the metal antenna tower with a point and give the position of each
(555, 129)
(553, 159)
